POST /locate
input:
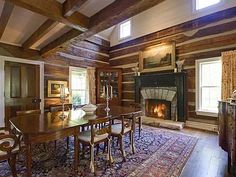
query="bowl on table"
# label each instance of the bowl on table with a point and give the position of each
(89, 109)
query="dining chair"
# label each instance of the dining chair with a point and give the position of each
(95, 136)
(138, 116)
(9, 148)
(119, 130)
(56, 108)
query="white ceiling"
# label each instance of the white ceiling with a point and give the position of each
(23, 23)
(91, 7)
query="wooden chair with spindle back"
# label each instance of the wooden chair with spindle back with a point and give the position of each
(56, 108)
(95, 136)
(138, 116)
(9, 148)
(119, 130)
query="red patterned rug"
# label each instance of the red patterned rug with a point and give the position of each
(159, 153)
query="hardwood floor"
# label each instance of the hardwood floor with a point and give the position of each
(207, 158)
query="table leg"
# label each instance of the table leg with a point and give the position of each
(76, 149)
(28, 159)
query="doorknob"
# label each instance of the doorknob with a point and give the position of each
(36, 100)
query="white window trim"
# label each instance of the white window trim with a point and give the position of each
(195, 11)
(72, 68)
(123, 39)
(197, 74)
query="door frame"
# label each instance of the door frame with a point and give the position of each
(3, 59)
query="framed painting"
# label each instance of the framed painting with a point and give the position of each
(157, 58)
(54, 87)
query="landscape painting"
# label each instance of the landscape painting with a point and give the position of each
(157, 58)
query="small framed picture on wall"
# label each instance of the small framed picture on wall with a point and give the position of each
(54, 87)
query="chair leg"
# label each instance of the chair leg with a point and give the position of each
(109, 156)
(92, 158)
(67, 143)
(97, 146)
(132, 141)
(78, 150)
(122, 148)
(55, 144)
(140, 125)
(12, 164)
(104, 148)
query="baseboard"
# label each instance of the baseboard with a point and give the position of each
(202, 126)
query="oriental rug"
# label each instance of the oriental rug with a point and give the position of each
(159, 153)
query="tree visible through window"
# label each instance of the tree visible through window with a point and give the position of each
(79, 90)
(201, 4)
(209, 85)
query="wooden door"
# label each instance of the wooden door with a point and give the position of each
(22, 88)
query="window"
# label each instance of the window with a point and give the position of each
(78, 86)
(201, 4)
(208, 81)
(125, 29)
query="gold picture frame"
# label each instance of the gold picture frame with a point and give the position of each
(54, 88)
(157, 58)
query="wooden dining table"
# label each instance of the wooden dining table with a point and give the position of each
(47, 127)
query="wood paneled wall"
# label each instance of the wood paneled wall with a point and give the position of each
(93, 52)
(201, 38)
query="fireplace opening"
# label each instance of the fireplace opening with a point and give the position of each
(158, 108)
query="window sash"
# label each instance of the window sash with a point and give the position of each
(201, 108)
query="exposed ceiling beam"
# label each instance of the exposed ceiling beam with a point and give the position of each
(61, 40)
(53, 10)
(70, 6)
(5, 16)
(39, 33)
(111, 15)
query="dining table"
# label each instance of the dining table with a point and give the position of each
(46, 127)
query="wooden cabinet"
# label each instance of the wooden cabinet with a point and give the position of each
(227, 133)
(112, 77)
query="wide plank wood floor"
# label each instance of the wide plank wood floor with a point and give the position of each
(207, 159)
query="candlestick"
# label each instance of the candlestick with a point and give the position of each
(111, 92)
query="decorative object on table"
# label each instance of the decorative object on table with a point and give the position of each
(157, 58)
(180, 65)
(89, 109)
(54, 88)
(108, 93)
(136, 70)
(64, 93)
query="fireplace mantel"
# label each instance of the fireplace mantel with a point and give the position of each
(178, 80)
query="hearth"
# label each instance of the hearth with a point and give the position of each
(170, 87)
(158, 108)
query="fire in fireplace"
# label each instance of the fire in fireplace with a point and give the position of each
(158, 108)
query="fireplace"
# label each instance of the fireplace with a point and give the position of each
(170, 87)
(158, 108)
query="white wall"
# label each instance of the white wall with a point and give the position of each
(167, 14)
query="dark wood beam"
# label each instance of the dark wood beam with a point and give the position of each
(61, 40)
(70, 6)
(53, 10)
(39, 33)
(111, 15)
(5, 16)
(19, 52)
